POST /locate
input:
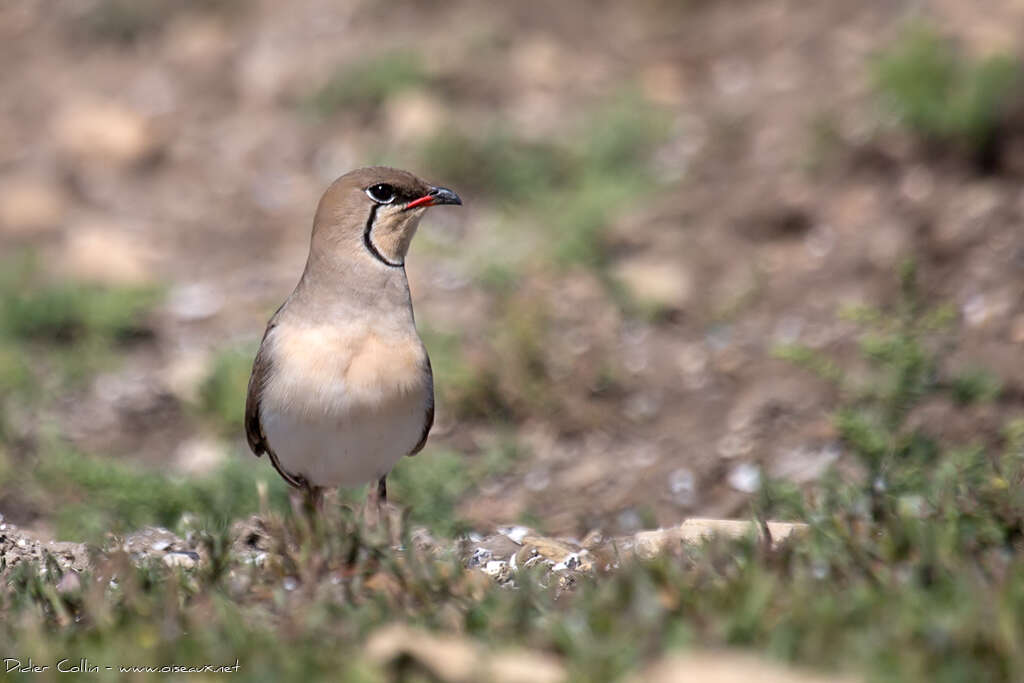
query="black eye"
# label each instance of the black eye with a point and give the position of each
(382, 193)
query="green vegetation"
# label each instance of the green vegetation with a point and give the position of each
(506, 378)
(65, 314)
(432, 483)
(975, 384)
(99, 494)
(571, 189)
(910, 571)
(364, 86)
(944, 96)
(923, 541)
(16, 383)
(60, 330)
(468, 389)
(222, 393)
(903, 351)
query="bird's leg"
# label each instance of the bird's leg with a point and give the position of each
(314, 500)
(376, 508)
(381, 513)
(308, 503)
(376, 498)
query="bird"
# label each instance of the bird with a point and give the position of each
(341, 386)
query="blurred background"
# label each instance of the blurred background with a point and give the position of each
(665, 203)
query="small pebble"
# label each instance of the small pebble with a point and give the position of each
(183, 559)
(683, 485)
(499, 571)
(479, 557)
(514, 533)
(537, 479)
(534, 559)
(593, 539)
(745, 477)
(570, 563)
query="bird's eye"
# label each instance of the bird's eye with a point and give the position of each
(382, 193)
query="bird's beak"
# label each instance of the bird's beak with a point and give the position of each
(437, 195)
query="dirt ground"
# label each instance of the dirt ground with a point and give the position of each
(185, 155)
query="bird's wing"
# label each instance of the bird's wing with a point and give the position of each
(428, 420)
(260, 370)
(253, 427)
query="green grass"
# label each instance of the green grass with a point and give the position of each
(578, 220)
(909, 597)
(365, 85)
(466, 385)
(55, 333)
(432, 483)
(904, 350)
(943, 95)
(222, 393)
(100, 494)
(912, 568)
(504, 379)
(16, 385)
(973, 385)
(64, 313)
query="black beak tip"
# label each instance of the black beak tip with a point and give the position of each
(443, 195)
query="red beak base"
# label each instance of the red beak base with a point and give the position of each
(437, 195)
(425, 200)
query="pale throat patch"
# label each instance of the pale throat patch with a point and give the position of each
(390, 232)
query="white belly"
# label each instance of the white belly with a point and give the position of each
(360, 448)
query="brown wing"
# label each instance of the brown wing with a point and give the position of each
(253, 427)
(428, 420)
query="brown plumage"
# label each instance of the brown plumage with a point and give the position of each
(342, 386)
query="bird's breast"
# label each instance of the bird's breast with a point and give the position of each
(323, 371)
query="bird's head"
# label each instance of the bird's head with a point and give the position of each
(376, 209)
